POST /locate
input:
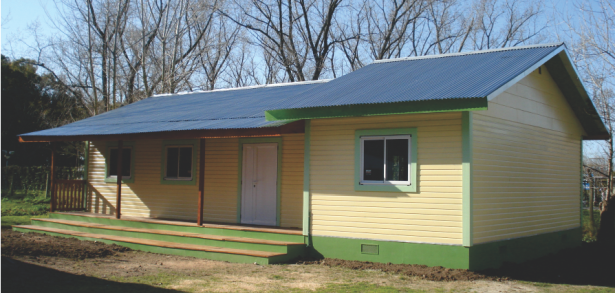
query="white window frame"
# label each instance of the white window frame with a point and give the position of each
(131, 170)
(385, 182)
(166, 163)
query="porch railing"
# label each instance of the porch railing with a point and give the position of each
(68, 195)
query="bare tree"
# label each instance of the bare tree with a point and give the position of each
(596, 49)
(297, 33)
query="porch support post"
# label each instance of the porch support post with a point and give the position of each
(201, 180)
(52, 184)
(118, 200)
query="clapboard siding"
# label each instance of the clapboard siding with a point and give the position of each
(526, 168)
(291, 196)
(146, 197)
(433, 214)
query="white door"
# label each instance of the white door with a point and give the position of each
(259, 184)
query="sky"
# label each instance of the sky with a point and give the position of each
(18, 15)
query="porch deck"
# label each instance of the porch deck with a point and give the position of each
(239, 227)
(235, 243)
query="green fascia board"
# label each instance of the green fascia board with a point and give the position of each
(450, 256)
(518, 250)
(251, 140)
(178, 228)
(413, 160)
(170, 238)
(164, 250)
(113, 144)
(466, 169)
(179, 142)
(306, 178)
(432, 106)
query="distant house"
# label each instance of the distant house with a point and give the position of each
(461, 160)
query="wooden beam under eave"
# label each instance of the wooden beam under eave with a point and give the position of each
(293, 127)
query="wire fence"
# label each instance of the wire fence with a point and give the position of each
(34, 180)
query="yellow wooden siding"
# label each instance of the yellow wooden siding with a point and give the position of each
(526, 150)
(432, 215)
(291, 195)
(146, 197)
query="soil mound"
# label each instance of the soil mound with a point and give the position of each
(36, 244)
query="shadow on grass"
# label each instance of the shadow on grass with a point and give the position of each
(589, 264)
(18, 276)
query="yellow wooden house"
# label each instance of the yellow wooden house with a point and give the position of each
(461, 160)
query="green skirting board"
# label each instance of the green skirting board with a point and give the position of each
(477, 257)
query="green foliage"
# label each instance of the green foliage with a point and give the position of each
(32, 102)
(32, 180)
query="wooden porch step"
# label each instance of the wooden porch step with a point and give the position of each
(165, 244)
(251, 228)
(168, 232)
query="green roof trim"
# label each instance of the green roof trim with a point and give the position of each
(432, 106)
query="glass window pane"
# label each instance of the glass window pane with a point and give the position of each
(126, 160)
(185, 162)
(112, 169)
(397, 159)
(373, 160)
(172, 159)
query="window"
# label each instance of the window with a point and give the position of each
(128, 162)
(179, 163)
(385, 160)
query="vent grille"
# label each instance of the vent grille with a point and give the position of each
(369, 249)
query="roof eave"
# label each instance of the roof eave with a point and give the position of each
(288, 128)
(407, 107)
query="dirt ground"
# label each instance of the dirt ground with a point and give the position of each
(35, 263)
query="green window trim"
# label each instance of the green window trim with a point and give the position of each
(413, 160)
(243, 141)
(180, 142)
(125, 144)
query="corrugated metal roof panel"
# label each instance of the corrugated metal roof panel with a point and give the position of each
(440, 77)
(220, 109)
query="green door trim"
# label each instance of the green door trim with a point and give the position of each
(256, 140)
(466, 169)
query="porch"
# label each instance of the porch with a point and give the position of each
(127, 199)
(237, 243)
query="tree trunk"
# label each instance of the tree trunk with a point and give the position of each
(606, 232)
(592, 197)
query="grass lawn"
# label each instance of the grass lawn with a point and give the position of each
(18, 208)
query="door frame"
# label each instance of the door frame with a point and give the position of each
(256, 140)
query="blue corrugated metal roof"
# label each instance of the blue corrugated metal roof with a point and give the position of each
(452, 76)
(221, 109)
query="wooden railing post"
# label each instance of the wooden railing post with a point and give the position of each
(201, 180)
(118, 200)
(52, 207)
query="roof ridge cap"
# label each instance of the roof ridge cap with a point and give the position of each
(467, 53)
(246, 87)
